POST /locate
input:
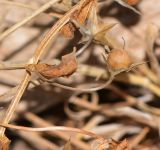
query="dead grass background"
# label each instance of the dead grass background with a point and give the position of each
(127, 111)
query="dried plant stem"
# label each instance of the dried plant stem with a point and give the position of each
(38, 53)
(93, 122)
(139, 137)
(25, 20)
(12, 66)
(81, 50)
(149, 73)
(52, 128)
(121, 111)
(93, 71)
(39, 122)
(151, 35)
(15, 101)
(147, 108)
(37, 140)
(28, 7)
(91, 89)
(135, 101)
(140, 81)
(8, 95)
(27, 77)
(16, 4)
(129, 78)
(54, 30)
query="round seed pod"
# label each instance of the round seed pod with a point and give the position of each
(132, 2)
(118, 59)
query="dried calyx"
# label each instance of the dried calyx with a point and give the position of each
(118, 60)
(65, 68)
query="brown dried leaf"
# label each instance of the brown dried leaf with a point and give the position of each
(79, 16)
(67, 66)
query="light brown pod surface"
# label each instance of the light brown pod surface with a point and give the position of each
(118, 59)
(132, 2)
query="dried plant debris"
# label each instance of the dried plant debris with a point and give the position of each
(67, 67)
(79, 16)
(103, 95)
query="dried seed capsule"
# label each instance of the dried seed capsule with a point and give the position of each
(132, 2)
(118, 59)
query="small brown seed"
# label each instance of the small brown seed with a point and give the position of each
(118, 59)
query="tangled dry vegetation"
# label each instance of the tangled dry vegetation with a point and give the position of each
(79, 74)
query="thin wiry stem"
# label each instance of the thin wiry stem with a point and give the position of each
(91, 89)
(25, 20)
(12, 66)
(15, 101)
(52, 128)
(16, 4)
(81, 50)
(39, 122)
(28, 7)
(37, 140)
